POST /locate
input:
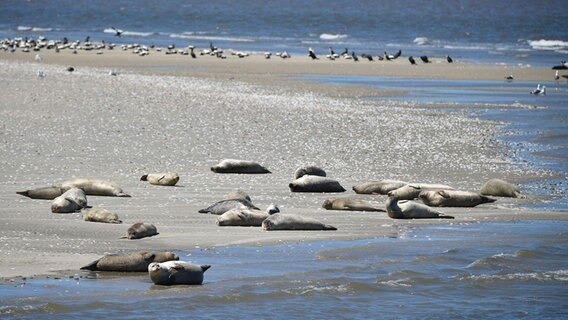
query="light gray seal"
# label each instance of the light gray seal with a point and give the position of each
(140, 230)
(412, 191)
(406, 209)
(281, 221)
(238, 194)
(45, 193)
(176, 272)
(223, 206)
(245, 217)
(500, 188)
(129, 262)
(453, 198)
(161, 179)
(71, 200)
(349, 204)
(378, 187)
(95, 187)
(239, 166)
(309, 183)
(100, 215)
(309, 170)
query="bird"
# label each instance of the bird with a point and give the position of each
(41, 74)
(368, 57)
(411, 59)
(354, 56)
(267, 55)
(556, 76)
(117, 32)
(539, 90)
(191, 52)
(112, 73)
(396, 55)
(312, 54)
(285, 55)
(332, 55)
(38, 59)
(387, 56)
(449, 59)
(424, 59)
(509, 78)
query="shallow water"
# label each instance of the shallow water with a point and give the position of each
(481, 270)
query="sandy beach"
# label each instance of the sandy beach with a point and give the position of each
(173, 113)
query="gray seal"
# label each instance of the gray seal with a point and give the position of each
(45, 193)
(223, 206)
(239, 166)
(453, 198)
(238, 194)
(309, 183)
(100, 215)
(280, 221)
(140, 230)
(129, 262)
(161, 179)
(245, 217)
(500, 188)
(412, 191)
(71, 200)
(176, 272)
(406, 209)
(349, 204)
(95, 187)
(309, 170)
(378, 187)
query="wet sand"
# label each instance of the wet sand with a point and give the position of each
(172, 113)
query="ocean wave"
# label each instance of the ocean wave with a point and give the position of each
(558, 275)
(330, 36)
(216, 38)
(420, 41)
(552, 45)
(130, 33)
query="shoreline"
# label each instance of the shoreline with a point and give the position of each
(221, 109)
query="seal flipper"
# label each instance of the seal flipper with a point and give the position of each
(91, 266)
(328, 227)
(205, 267)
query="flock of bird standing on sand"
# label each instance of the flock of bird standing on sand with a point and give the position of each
(237, 209)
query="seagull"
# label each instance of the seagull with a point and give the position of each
(387, 56)
(41, 74)
(267, 55)
(449, 59)
(396, 55)
(285, 55)
(312, 54)
(424, 59)
(191, 52)
(411, 59)
(556, 76)
(332, 55)
(117, 32)
(539, 90)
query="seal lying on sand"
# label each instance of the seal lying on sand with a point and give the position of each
(100, 215)
(129, 262)
(378, 187)
(280, 221)
(95, 187)
(245, 217)
(46, 193)
(226, 205)
(161, 179)
(238, 194)
(349, 204)
(71, 200)
(453, 198)
(412, 191)
(238, 166)
(176, 272)
(140, 230)
(309, 170)
(406, 209)
(315, 184)
(500, 188)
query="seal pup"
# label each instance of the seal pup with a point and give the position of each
(140, 230)
(245, 217)
(500, 188)
(453, 198)
(95, 187)
(239, 166)
(349, 204)
(309, 183)
(161, 179)
(238, 194)
(45, 193)
(176, 272)
(280, 221)
(309, 170)
(378, 187)
(223, 206)
(100, 215)
(406, 209)
(71, 200)
(129, 262)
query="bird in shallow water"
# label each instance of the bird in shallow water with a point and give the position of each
(539, 90)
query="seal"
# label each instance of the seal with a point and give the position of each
(309, 170)
(161, 179)
(176, 272)
(71, 200)
(129, 262)
(453, 198)
(349, 204)
(310, 183)
(412, 191)
(500, 188)
(223, 206)
(238, 194)
(45, 193)
(140, 230)
(406, 209)
(245, 217)
(95, 187)
(239, 166)
(100, 215)
(378, 187)
(280, 221)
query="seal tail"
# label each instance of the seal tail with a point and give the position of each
(443, 216)
(91, 266)
(328, 227)
(124, 195)
(203, 211)
(205, 267)
(144, 178)
(24, 193)
(485, 199)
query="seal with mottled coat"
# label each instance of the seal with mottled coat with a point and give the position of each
(176, 272)
(238, 166)
(100, 215)
(223, 206)
(453, 198)
(161, 179)
(412, 191)
(129, 262)
(406, 209)
(141, 230)
(349, 204)
(95, 187)
(245, 217)
(309, 170)
(281, 221)
(71, 200)
(378, 187)
(45, 193)
(500, 188)
(309, 183)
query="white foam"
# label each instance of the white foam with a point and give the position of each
(543, 44)
(130, 33)
(422, 41)
(24, 28)
(330, 36)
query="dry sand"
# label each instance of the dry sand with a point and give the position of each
(171, 113)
